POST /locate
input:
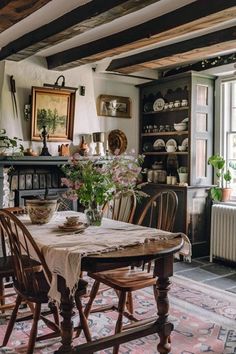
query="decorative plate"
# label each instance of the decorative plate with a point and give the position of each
(148, 107)
(147, 147)
(158, 105)
(171, 142)
(117, 141)
(185, 142)
(159, 144)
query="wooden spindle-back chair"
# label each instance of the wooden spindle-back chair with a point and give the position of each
(159, 212)
(121, 207)
(31, 280)
(6, 269)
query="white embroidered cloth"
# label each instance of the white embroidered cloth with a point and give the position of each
(63, 251)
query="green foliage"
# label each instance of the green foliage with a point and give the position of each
(224, 177)
(11, 144)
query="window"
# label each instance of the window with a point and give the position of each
(229, 127)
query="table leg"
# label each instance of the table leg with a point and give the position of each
(66, 307)
(163, 269)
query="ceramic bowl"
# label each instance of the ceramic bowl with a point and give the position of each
(41, 210)
(180, 126)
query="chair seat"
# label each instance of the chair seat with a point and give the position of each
(6, 265)
(125, 279)
(38, 295)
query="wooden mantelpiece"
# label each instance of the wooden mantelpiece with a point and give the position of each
(27, 162)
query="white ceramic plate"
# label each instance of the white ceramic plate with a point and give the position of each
(171, 142)
(185, 142)
(185, 120)
(158, 105)
(159, 143)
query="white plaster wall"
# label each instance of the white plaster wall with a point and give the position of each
(33, 72)
(129, 126)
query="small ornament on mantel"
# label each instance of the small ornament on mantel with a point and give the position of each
(83, 147)
(44, 135)
(64, 150)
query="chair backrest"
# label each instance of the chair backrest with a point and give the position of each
(3, 249)
(121, 207)
(160, 211)
(26, 257)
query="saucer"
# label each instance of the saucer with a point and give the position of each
(79, 226)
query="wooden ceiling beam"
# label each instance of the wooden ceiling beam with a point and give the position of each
(77, 21)
(192, 17)
(186, 51)
(13, 11)
(201, 65)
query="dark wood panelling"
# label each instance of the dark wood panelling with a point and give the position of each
(12, 11)
(187, 19)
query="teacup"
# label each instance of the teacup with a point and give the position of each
(181, 147)
(177, 104)
(170, 148)
(72, 220)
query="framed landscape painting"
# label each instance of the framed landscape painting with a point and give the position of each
(53, 108)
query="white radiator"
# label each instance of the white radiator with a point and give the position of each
(223, 232)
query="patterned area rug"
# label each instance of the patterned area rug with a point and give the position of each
(204, 320)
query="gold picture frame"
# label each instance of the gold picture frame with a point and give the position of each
(53, 108)
(114, 106)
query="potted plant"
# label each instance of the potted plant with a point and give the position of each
(183, 174)
(222, 191)
(10, 145)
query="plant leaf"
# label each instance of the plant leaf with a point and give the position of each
(216, 193)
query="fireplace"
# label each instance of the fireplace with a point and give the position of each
(28, 177)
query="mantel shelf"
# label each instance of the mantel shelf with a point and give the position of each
(32, 160)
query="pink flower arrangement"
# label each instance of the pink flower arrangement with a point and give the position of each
(95, 183)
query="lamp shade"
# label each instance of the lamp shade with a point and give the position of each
(98, 137)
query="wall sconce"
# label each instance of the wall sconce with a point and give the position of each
(27, 111)
(62, 86)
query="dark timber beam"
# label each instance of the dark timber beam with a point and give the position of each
(187, 19)
(186, 51)
(13, 11)
(79, 20)
(200, 65)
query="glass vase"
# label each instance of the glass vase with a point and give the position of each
(94, 215)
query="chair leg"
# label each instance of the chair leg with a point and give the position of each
(89, 304)
(129, 303)
(33, 332)
(121, 309)
(83, 319)
(2, 301)
(53, 307)
(12, 321)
